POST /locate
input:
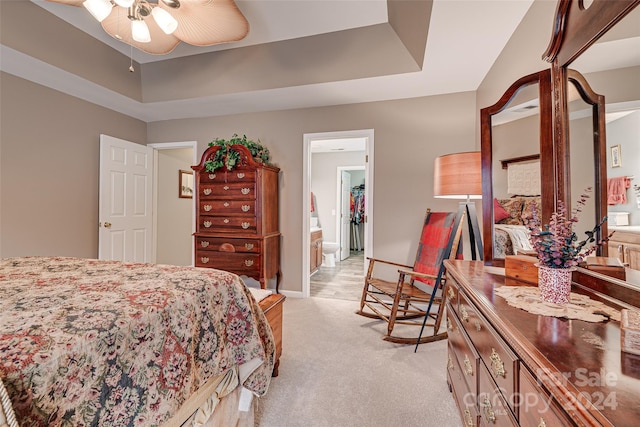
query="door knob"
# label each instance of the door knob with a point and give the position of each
(107, 225)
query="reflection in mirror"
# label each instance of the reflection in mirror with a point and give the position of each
(514, 147)
(583, 158)
(515, 170)
(611, 66)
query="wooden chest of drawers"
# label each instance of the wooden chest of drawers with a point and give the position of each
(237, 218)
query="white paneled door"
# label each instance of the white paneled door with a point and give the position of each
(125, 217)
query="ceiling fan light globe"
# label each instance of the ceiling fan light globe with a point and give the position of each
(99, 9)
(140, 31)
(165, 21)
(124, 3)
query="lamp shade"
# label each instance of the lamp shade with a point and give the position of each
(458, 176)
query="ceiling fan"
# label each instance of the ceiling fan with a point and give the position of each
(158, 26)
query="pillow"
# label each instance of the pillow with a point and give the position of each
(498, 212)
(527, 207)
(514, 208)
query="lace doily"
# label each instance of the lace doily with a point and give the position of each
(580, 307)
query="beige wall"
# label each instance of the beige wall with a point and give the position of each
(174, 214)
(49, 168)
(514, 139)
(409, 134)
(28, 28)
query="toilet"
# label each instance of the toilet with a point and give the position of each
(329, 250)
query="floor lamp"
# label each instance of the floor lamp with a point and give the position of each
(459, 176)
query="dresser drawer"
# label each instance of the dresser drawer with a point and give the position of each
(501, 362)
(228, 207)
(536, 407)
(221, 244)
(463, 351)
(228, 191)
(239, 263)
(228, 176)
(451, 294)
(465, 400)
(494, 410)
(227, 224)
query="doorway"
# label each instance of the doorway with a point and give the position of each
(329, 158)
(174, 214)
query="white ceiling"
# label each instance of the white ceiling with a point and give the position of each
(465, 37)
(269, 20)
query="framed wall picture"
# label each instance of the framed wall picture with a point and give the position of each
(185, 184)
(616, 156)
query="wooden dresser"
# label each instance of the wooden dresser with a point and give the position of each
(625, 245)
(508, 367)
(316, 250)
(237, 218)
(272, 308)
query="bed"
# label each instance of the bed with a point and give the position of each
(88, 342)
(510, 235)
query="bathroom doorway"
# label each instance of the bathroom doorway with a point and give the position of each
(339, 180)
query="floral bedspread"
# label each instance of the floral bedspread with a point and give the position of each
(88, 342)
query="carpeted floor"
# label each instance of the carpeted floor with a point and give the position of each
(336, 371)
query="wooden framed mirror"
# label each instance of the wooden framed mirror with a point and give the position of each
(515, 133)
(599, 40)
(571, 163)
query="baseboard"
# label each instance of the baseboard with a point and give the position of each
(291, 294)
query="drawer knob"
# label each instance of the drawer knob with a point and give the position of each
(204, 243)
(226, 221)
(207, 224)
(246, 225)
(225, 188)
(245, 191)
(488, 410)
(468, 369)
(207, 208)
(451, 293)
(248, 246)
(248, 262)
(226, 204)
(478, 326)
(206, 191)
(240, 175)
(204, 259)
(467, 417)
(542, 423)
(497, 365)
(465, 315)
(212, 176)
(245, 208)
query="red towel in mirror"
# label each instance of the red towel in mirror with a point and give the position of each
(617, 190)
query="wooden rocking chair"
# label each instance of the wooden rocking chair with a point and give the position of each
(405, 301)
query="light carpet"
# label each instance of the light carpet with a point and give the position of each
(336, 371)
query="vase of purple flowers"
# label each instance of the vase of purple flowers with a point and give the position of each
(558, 249)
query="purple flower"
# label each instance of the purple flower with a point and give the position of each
(556, 244)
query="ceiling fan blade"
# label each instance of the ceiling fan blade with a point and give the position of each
(200, 23)
(118, 25)
(207, 22)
